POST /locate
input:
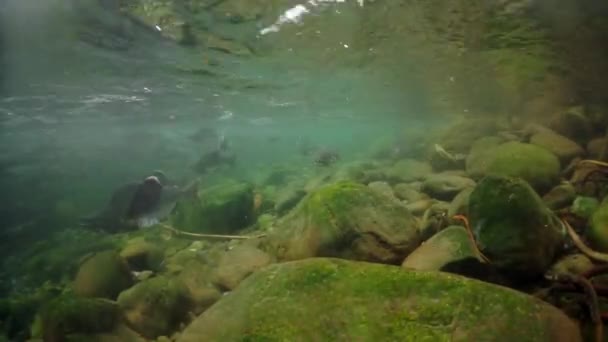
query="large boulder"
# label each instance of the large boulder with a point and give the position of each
(156, 306)
(349, 220)
(338, 300)
(534, 164)
(514, 228)
(102, 275)
(223, 209)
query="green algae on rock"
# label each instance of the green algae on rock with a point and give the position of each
(534, 164)
(598, 228)
(514, 229)
(238, 263)
(584, 206)
(450, 244)
(142, 255)
(72, 318)
(349, 220)
(102, 275)
(323, 299)
(223, 209)
(156, 306)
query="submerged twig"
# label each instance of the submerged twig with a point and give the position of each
(211, 236)
(465, 221)
(578, 242)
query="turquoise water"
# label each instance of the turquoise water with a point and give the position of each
(358, 129)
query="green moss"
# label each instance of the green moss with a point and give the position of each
(362, 301)
(598, 230)
(513, 226)
(156, 306)
(533, 164)
(68, 315)
(224, 208)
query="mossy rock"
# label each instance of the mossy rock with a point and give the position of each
(142, 255)
(338, 300)
(71, 318)
(598, 228)
(102, 275)
(514, 228)
(408, 170)
(156, 306)
(584, 206)
(534, 164)
(451, 244)
(349, 220)
(223, 209)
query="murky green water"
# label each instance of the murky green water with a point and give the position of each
(98, 93)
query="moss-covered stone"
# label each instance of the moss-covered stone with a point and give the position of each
(349, 220)
(338, 300)
(408, 170)
(71, 318)
(534, 164)
(598, 228)
(224, 208)
(142, 255)
(514, 229)
(238, 263)
(103, 275)
(156, 306)
(584, 206)
(450, 244)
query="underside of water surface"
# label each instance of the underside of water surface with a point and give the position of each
(293, 170)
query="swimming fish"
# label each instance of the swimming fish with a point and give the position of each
(138, 204)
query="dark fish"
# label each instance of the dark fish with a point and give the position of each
(138, 204)
(326, 158)
(146, 198)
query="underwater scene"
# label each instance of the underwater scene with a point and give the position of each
(303, 170)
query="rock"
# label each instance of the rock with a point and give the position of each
(533, 164)
(238, 263)
(445, 187)
(408, 170)
(460, 136)
(349, 220)
(197, 277)
(584, 206)
(407, 193)
(103, 275)
(384, 189)
(71, 318)
(143, 275)
(513, 227)
(288, 199)
(222, 209)
(572, 124)
(560, 196)
(141, 255)
(156, 306)
(451, 244)
(342, 300)
(476, 161)
(564, 148)
(419, 207)
(572, 264)
(595, 146)
(597, 233)
(460, 203)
